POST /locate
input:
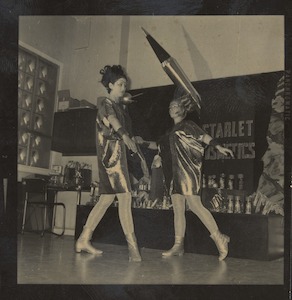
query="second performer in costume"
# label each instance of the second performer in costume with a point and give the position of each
(187, 144)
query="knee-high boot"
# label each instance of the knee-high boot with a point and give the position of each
(221, 241)
(83, 243)
(177, 249)
(134, 254)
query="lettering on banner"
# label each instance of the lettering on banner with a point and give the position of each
(232, 129)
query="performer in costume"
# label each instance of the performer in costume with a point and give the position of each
(113, 136)
(186, 140)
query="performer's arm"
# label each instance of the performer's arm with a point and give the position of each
(207, 139)
(115, 123)
(148, 144)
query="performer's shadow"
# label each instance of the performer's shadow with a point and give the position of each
(183, 271)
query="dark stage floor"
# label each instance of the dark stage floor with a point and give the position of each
(52, 260)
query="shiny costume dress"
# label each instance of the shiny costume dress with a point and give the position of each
(187, 151)
(111, 150)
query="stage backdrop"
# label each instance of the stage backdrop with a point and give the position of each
(235, 110)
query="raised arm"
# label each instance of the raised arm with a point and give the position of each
(207, 139)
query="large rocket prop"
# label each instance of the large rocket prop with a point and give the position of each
(174, 71)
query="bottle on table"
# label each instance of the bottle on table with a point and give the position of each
(237, 206)
(248, 206)
(230, 182)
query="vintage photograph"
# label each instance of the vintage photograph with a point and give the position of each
(151, 150)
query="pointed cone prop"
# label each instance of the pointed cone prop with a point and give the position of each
(174, 71)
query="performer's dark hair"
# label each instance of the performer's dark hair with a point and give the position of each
(110, 74)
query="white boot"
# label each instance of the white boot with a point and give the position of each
(134, 254)
(221, 241)
(177, 249)
(83, 243)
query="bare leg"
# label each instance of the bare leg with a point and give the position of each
(126, 219)
(178, 202)
(96, 214)
(196, 206)
(98, 211)
(221, 240)
(125, 212)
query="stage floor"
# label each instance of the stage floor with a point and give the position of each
(52, 260)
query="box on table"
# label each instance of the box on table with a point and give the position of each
(65, 101)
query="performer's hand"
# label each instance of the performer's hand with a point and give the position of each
(156, 162)
(130, 143)
(225, 151)
(144, 180)
(138, 139)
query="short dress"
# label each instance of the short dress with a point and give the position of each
(187, 151)
(111, 149)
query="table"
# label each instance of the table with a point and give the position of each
(70, 203)
(55, 189)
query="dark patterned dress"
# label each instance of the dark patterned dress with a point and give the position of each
(111, 150)
(187, 150)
